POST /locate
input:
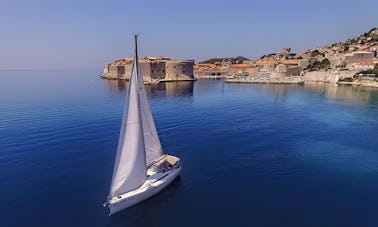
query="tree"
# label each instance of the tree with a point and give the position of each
(325, 63)
(318, 65)
(315, 53)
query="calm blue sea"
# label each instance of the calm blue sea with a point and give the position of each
(253, 155)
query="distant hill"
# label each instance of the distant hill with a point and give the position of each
(235, 60)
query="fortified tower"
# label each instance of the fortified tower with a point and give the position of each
(161, 68)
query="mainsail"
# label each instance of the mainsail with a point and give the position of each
(130, 166)
(151, 138)
(139, 143)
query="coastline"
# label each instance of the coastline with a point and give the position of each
(256, 80)
(361, 84)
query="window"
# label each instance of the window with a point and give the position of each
(152, 71)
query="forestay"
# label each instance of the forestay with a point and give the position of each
(130, 166)
(151, 138)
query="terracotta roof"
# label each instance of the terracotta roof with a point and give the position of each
(199, 66)
(289, 62)
(266, 61)
(240, 66)
(366, 62)
(249, 62)
(122, 61)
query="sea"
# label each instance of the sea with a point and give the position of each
(252, 154)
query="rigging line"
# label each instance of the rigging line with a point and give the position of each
(140, 48)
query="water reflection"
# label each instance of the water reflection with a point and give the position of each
(208, 86)
(168, 89)
(116, 86)
(182, 88)
(361, 95)
(357, 94)
(280, 91)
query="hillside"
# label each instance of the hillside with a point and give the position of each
(235, 60)
(365, 42)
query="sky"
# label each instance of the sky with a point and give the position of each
(83, 34)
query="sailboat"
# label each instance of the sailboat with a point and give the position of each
(141, 168)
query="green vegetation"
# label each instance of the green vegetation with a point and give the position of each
(371, 30)
(236, 60)
(318, 65)
(267, 55)
(346, 48)
(374, 38)
(348, 79)
(316, 53)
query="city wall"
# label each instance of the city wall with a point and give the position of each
(327, 76)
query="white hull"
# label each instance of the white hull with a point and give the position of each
(154, 184)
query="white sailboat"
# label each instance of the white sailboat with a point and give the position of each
(141, 168)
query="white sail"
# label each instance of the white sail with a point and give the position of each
(138, 151)
(130, 166)
(151, 138)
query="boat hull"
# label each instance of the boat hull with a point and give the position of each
(144, 192)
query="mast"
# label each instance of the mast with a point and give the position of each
(130, 165)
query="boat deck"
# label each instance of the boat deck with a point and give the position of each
(155, 174)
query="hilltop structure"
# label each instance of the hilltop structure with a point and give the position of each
(153, 69)
(331, 63)
(273, 66)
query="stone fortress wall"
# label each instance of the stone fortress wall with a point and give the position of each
(179, 70)
(153, 69)
(327, 76)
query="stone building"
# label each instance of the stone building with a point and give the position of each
(360, 60)
(161, 68)
(179, 69)
(283, 70)
(242, 70)
(210, 70)
(359, 57)
(293, 71)
(303, 63)
(285, 52)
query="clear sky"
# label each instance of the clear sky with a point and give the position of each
(69, 34)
